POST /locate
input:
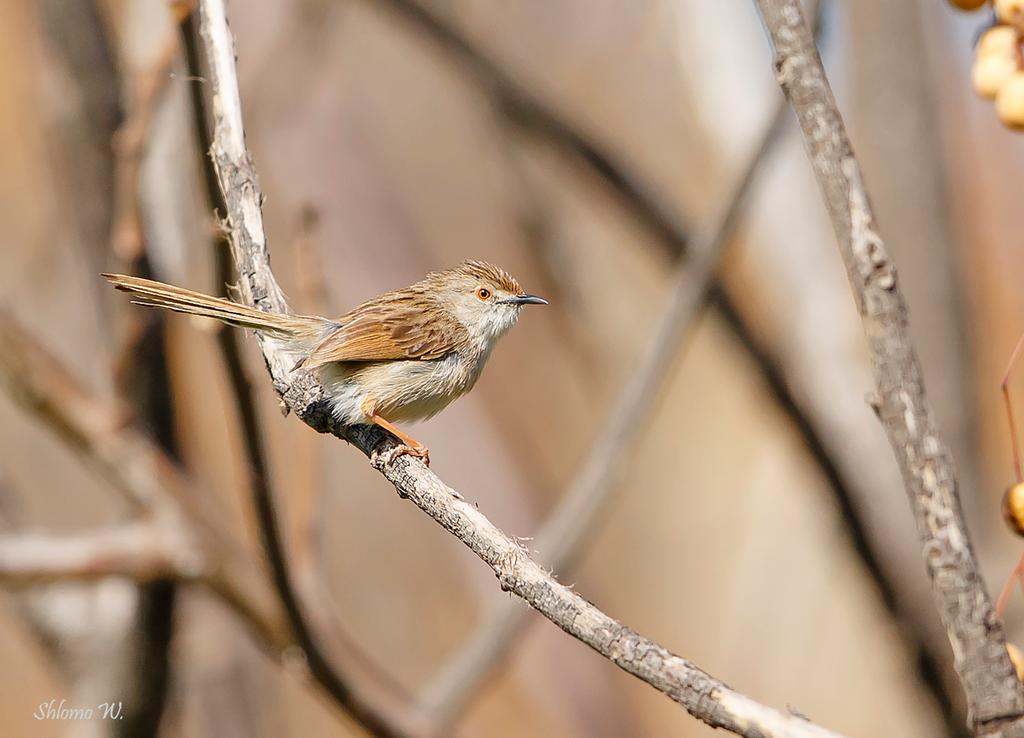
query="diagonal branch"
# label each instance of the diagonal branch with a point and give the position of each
(563, 535)
(994, 694)
(703, 696)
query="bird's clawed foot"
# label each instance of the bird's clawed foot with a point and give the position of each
(405, 449)
(409, 446)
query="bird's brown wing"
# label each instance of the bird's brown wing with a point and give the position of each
(389, 330)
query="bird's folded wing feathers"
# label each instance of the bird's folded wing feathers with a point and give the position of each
(386, 331)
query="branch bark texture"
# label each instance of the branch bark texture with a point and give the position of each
(994, 694)
(702, 695)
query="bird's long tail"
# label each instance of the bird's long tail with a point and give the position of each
(161, 295)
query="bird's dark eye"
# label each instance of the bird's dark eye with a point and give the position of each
(483, 293)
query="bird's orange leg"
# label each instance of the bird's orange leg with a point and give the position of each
(410, 446)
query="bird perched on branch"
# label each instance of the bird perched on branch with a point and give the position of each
(402, 356)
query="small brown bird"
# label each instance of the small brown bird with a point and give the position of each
(402, 356)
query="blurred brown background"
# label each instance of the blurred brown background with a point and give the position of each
(380, 160)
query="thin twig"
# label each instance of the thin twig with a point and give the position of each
(309, 267)
(705, 697)
(564, 533)
(1016, 577)
(994, 694)
(1004, 385)
(307, 525)
(130, 143)
(81, 43)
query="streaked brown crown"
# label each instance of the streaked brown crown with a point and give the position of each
(497, 276)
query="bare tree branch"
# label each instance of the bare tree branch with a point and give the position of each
(141, 551)
(702, 695)
(394, 712)
(994, 694)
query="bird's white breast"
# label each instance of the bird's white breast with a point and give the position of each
(400, 390)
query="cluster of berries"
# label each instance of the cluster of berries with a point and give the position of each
(998, 72)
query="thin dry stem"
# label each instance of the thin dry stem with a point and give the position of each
(130, 143)
(1004, 593)
(141, 551)
(1004, 385)
(305, 522)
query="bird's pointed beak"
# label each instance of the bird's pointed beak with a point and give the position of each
(524, 300)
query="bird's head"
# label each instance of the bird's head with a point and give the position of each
(484, 298)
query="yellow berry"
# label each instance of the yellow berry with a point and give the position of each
(1013, 507)
(1010, 11)
(998, 41)
(967, 4)
(1017, 658)
(990, 73)
(1010, 107)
